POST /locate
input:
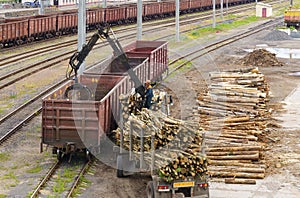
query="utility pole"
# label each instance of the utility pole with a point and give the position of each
(104, 4)
(139, 19)
(41, 9)
(291, 3)
(222, 10)
(214, 13)
(177, 21)
(81, 30)
(226, 7)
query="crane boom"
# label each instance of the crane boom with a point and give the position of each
(103, 33)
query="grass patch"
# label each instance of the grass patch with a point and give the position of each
(3, 196)
(10, 175)
(35, 169)
(221, 27)
(4, 157)
(66, 177)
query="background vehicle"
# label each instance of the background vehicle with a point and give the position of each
(292, 18)
(29, 4)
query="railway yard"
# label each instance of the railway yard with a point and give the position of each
(245, 100)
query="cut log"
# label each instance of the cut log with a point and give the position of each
(242, 148)
(237, 175)
(239, 181)
(231, 153)
(235, 163)
(236, 169)
(235, 157)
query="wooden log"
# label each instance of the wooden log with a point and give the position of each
(235, 163)
(239, 181)
(231, 153)
(236, 169)
(242, 148)
(214, 75)
(235, 157)
(237, 175)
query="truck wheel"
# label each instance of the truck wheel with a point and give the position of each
(150, 190)
(119, 166)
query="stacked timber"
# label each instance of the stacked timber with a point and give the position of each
(132, 103)
(173, 145)
(234, 113)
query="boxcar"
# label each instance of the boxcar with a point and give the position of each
(72, 125)
(12, 33)
(42, 27)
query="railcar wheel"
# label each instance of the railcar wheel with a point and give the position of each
(150, 190)
(59, 155)
(119, 166)
(88, 155)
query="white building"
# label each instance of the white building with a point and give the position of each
(263, 10)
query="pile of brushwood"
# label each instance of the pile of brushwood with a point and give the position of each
(235, 115)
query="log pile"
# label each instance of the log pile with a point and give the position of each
(234, 113)
(175, 146)
(132, 103)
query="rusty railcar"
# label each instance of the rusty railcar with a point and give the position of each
(42, 27)
(79, 125)
(13, 33)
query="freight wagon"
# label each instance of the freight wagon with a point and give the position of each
(79, 125)
(43, 27)
(292, 18)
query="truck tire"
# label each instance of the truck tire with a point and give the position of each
(119, 166)
(150, 190)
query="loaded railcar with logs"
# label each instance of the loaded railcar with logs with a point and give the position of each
(79, 122)
(23, 30)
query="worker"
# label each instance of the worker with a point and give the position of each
(148, 95)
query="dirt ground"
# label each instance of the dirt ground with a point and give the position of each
(282, 154)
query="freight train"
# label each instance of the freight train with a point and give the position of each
(27, 29)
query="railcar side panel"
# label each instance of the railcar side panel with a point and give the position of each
(115, 14)
(184, 5)
(151, 9)
(168, 7)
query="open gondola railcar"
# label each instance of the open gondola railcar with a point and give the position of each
(79, 125)
(13, 33)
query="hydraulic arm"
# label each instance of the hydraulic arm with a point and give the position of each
(78, 58)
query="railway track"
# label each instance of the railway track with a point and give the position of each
(212, 47)
(193, 55)
(37, 99)
(62, 178)
(186, 19)
(19, 74)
